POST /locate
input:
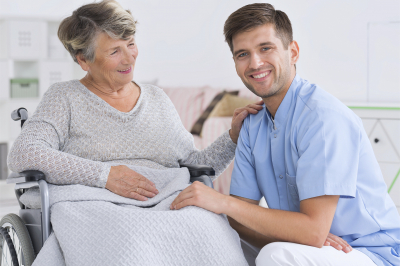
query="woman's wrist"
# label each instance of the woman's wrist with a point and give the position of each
(105, 175)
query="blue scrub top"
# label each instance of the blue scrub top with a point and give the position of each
(317, 146)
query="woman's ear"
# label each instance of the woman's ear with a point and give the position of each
(82, 62)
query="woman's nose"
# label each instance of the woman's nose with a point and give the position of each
(129, 56)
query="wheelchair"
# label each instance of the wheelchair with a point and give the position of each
(22, 237)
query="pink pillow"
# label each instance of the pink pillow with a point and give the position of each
(188, 102)
(213, 128)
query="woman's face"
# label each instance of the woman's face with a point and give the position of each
(114, 61)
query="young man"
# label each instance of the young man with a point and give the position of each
(306, 153)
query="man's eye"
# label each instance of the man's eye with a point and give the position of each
(242, 54)
(266, 48)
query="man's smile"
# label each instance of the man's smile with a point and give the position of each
(260, 76)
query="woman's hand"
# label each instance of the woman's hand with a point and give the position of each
(338, 243)
(127, 183)
(239, 115)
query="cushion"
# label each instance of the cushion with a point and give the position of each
(228, 104)
(197, 127)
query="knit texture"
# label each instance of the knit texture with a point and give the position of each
(74, 137)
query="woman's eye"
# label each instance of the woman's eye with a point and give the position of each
(114, 52)
(131, 44)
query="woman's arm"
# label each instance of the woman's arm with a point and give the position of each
(218, 155)
(42, 138)
(37, 148)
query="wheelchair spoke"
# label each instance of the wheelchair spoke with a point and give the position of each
(17, 245)
(19, 254)
(10, 233)
(6, 254)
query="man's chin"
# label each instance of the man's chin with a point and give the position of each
(260, 91)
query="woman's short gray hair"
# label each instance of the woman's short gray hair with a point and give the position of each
(78, 32)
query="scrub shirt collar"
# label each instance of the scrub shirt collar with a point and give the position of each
(283, 109)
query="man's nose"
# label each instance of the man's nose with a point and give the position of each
(255, 61)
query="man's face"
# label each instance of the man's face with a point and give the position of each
(261, 61)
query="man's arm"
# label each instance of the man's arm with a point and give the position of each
(310, 226)
(249, 235)
(259, 240)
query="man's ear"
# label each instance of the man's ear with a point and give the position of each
(82, 62)
(294, 52)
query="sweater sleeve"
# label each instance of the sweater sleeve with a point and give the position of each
(40, 145)
(218, 155)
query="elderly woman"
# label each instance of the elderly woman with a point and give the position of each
(81, 126)
(92, 131)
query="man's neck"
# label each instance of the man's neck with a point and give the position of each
(272, 103)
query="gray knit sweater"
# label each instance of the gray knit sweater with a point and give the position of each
(74, 137)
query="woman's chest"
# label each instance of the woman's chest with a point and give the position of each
(101, 135)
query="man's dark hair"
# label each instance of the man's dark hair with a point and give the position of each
(254, 15)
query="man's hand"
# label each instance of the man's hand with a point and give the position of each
(239, 115)
(338, 243)
(127, 183)
(200, 195)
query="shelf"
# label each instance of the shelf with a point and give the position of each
(24, 69)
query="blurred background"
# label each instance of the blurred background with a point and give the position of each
(349, 48)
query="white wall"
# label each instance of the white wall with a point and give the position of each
(181, 42)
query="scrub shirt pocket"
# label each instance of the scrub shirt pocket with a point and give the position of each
(293, 194)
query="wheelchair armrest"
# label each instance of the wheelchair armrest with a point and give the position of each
(25, 176)
(197, 170)
(205, 179)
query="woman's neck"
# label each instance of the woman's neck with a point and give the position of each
(122, 98)
(106, 90)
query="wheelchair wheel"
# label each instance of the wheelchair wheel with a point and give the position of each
(20, 238)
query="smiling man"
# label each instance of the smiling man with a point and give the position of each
(307, 154)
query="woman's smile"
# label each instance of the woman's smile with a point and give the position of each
(125, 71)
